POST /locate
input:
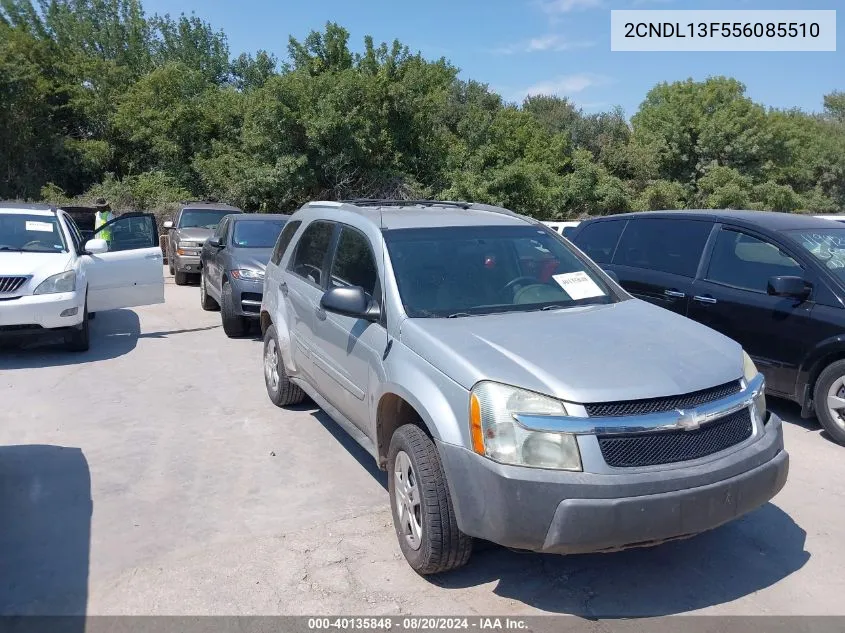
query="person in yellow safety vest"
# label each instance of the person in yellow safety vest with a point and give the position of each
(102, 215)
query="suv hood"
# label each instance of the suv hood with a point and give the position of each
(624, 351)
(194, 233)
(39, 265)
(254, 258)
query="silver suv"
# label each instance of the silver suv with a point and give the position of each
(511, 389)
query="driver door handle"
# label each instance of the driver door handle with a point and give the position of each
(704, 299)
(675, 294)
(284, 288)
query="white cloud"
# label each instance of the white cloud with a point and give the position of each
(565, 85)
(566, 6)
(544, 43)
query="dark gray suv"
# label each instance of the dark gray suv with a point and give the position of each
(232, 267)
(511, 389)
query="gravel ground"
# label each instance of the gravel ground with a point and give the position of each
(152, 475)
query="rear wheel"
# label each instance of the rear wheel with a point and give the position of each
(206, 302)
(423, 515)
(829, 400)
(79, 340)
(171, 269)
(180, 278)
(233, 324)
(281, 390)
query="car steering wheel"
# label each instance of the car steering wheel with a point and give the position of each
(514, 282)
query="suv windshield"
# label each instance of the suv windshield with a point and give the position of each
(826, 245)
(201, 218)
(30, 233)
(465, 270)
(256, 233)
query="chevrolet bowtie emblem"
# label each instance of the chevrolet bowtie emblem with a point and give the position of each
(688, 420)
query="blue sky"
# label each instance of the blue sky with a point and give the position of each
(521, 46)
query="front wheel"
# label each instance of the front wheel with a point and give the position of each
(234, 325)
(206, 302)
(79, 338)
(423, 515)
(829, 400)
(281, 390)
(180, 278)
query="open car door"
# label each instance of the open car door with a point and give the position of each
(131, 272)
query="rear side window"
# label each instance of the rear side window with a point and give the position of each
(311, 251)
(663, 244)
(284, 239)
(743, 261)
(598, 240)
(354, 263)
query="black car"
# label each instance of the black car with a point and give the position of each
(232, 263)
(773, 282)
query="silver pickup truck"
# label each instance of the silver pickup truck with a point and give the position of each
(187, 232)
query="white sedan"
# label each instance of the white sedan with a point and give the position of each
(51, 280)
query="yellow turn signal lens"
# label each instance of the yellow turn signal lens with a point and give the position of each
(476, 432)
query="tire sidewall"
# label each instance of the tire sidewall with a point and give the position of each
(830, 375)
(416, 558)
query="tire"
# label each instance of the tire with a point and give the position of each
(440, 546)
(830, 387)
(78, 340)
(281, 390)
(234, 325)
(171, 269)
(207, 303)
(180, 278)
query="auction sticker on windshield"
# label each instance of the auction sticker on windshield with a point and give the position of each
(44, 227)
(578, 285)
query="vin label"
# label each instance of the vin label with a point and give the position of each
(728, 30)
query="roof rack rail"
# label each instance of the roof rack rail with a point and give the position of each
(375, 202)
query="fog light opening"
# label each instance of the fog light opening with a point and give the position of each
(70, 312)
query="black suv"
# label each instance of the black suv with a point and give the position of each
(773, 282)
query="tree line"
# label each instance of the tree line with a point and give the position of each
(97, 99)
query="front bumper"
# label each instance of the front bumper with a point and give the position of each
(41, 312)
(579, 512)
(187, 263)
(247, 296)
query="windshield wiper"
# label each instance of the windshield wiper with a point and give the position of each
(457, 315)
(11, 248)
(553, 307)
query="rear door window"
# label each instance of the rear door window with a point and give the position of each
(309, 260)
(598, 240)
(663, 244)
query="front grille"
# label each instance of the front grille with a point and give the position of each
(660, 405)
(667, 447)
(10, 284)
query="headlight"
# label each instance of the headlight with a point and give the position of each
(496, 433)
(248, 274)
(63, 282)
(749, 372)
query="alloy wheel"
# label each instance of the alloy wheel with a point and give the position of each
(836, 401)
(271, 365)
(407, 500)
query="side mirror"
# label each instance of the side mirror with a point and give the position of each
(96, 246)
(168, 224)
(352, 302)
(612, 274)
(216, 242)
(794, 287)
